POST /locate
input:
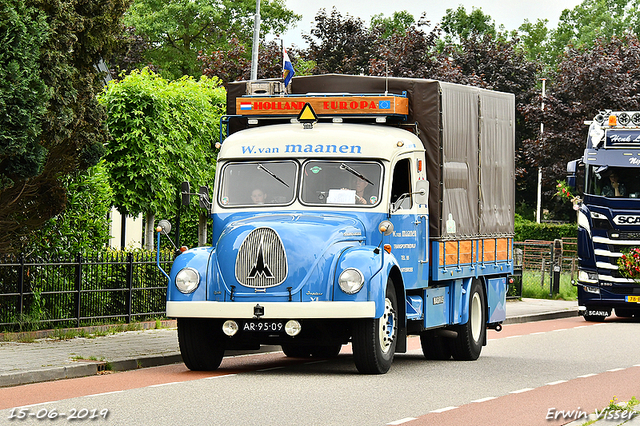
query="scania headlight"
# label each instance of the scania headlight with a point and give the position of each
(187, 280)
(351, 280)
(583, 222)
(587, 277)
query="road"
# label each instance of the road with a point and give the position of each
(525, 374)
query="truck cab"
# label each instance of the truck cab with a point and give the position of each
(609, 215)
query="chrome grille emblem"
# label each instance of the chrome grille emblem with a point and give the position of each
(261, 260)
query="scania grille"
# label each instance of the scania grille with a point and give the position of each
(608, 249)
(261, 260)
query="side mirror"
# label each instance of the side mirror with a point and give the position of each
(164, 226)
(572, 168)
(203, 199)
(422, 192)
(185, 191)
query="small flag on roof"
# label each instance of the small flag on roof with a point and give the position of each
(287, 69)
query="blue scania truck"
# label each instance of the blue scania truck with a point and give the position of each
(353, 210)
(609, 214)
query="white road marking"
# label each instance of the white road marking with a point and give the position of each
(399, 422)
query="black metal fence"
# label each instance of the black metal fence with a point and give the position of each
(543, 263)
(84, 290)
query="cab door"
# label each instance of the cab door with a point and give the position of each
(410, 222)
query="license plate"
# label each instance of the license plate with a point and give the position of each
(263, 326)
(633, 299)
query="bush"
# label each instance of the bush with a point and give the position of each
(529, 230)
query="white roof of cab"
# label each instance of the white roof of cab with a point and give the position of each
(324, 140)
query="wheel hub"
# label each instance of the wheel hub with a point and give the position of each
(387, 327)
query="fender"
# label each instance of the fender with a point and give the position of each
(375, 267)
(464, 300)
(198, 259)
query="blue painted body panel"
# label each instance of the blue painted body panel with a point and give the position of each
(321, 245)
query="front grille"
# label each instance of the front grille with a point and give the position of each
(261, 261)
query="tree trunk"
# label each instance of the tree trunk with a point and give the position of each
(149, 230)
(202, 229)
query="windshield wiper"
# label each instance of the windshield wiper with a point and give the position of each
(343, 166)
(273, 175)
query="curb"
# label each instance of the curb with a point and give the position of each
(86, 368)
(541, 317)
(44, 334)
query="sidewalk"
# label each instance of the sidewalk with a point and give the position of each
(51, 359)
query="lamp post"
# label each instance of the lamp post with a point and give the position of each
(539, 206)
(256, 43)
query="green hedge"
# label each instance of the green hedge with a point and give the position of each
(529, 230)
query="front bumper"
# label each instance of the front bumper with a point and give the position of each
(272, 310)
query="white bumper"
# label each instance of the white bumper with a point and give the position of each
(272, 310)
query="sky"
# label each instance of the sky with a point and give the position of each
(511, 16)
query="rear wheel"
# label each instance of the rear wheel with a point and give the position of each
(374, 340)
(201, 343)
(471, 336)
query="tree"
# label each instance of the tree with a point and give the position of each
(408, 53)
(339, 45)
(396, 24)
(83, 227)
(67, 136)
(458, 26)
(162, 134)
(534, 38)
(588, 80)
(594, 19)
(231, 65)
(23, 94)
(181, 30)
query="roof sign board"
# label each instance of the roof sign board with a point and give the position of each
(324, 105)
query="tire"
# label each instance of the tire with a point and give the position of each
(374, 340)
(202, 343)
(472, 335)
(435, 347)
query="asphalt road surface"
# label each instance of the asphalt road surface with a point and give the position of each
(529, 374)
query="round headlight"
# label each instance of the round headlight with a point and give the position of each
(187, 280)
(351, 281)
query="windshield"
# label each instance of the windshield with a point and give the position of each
(258, 183)
(272, 183)
(613, 182)
(341, 183)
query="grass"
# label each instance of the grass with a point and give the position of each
(614, 405)
(534, 287)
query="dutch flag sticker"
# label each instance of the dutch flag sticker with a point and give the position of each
(245, 106)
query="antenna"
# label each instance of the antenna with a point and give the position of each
(386, 78)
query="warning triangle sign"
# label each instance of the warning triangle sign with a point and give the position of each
(307, 114)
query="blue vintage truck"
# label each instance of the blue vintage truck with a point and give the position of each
(353, 210)
(609, 214)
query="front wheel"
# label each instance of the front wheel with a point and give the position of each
(374, 340)
(471, 336)
(201, 343)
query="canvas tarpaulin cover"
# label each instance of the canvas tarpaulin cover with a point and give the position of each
(468, 135)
